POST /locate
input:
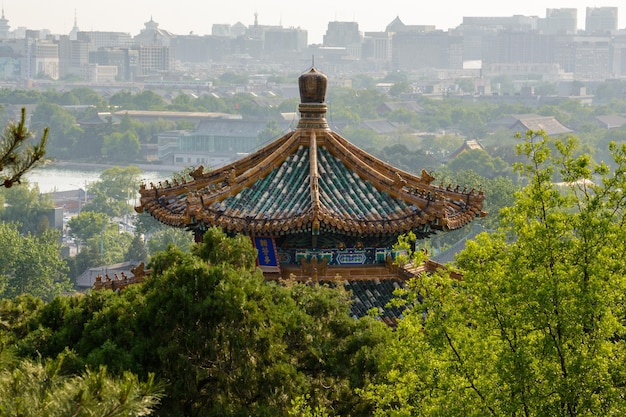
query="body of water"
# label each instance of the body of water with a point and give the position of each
(56, 177)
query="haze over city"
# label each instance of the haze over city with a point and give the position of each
(185, 16)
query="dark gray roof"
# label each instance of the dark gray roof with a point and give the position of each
(611, 121)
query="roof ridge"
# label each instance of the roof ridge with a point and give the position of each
(314, 179)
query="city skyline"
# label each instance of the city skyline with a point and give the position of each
(193, 17)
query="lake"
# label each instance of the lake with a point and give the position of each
(57, 177)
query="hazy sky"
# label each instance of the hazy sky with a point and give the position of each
(184, 16)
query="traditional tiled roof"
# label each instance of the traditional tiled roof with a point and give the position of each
(611, 121)
(548, 124)
(368, 294)
(389, 106)
(313, 181)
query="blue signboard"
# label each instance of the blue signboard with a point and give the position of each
(267, 259)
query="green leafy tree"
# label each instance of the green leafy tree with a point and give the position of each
(466, 85)
(182, 102)
(101, 240)
(363, 81)
(27, 207)
(535, 327)
(87, 224)
(137, 250)
(250, 336)
(88, 96)
(111, 244)
(31, 264)
(161, 239)
(231, 78)
(480, 162)
(399, 88)
(500, 192)
(145, 100)
(121, 147)
(225, 340)
(113, 190)
(272, 131)
(64, 132)
(364, 138)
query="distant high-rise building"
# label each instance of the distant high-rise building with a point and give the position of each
(342, 34)
(618, 54)
(377, 48)
(227, 30)
(426, 50)
(592, 57)
(600, 19)
(278, 39)
(126, 60)
(39, 58)
(562, 21)
(151, 35)
(75, 30)
(155, 59)
(516, 23)
(73, 56)
(99, 39)
(4, 27)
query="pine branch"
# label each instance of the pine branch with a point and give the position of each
(17, 155)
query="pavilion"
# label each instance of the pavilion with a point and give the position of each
(315, 206)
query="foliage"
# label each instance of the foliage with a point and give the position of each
(27, 207)
(164, 237)
(301, 408)
(137, 250)
(17, 156)
(121, 147)
(144, 100)
(535, 327)
(111, 244)
(363, 138)
(479, 161)
(64, 132)
(412, 161)
(31, 264)
(231, 78)
(353, 105)
(399, 88)
(34, 389)
(406, 252)
(271, 132)
(87, 96)
(87, 224)
(113, 190)
(223, 338)
(300, 334)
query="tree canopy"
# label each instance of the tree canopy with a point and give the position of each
(31, 264)
(535, 326)
(206, 323)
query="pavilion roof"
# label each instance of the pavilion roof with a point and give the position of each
(310, 180)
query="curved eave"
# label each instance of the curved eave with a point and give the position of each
(452, 208)
(207, 188)
(379, 199)
(307, 222)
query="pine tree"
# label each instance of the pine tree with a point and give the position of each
(17, 155)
